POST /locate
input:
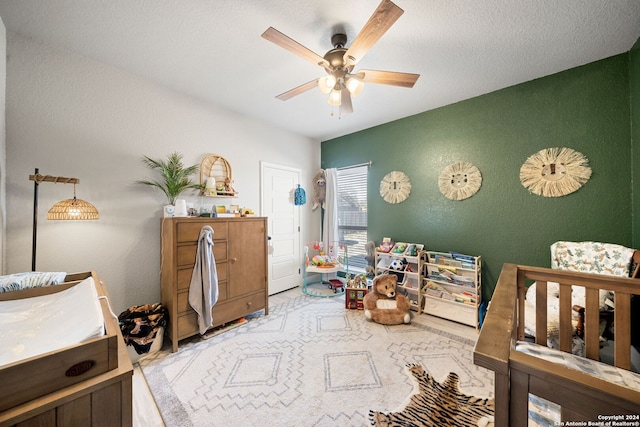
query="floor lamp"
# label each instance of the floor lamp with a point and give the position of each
(70, 209)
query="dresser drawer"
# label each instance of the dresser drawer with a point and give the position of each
(223, 312)
(232, 310)
(187, 325)
(183, 298)
(190, 231)
(187, 253)
(184, 275)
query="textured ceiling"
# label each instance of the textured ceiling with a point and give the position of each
(213, 50)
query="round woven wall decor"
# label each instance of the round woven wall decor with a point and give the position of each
(395, 187)
(459, 181)
(555, 172)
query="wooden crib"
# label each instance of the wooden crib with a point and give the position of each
(581, 396)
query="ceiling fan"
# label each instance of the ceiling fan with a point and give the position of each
(341, 82)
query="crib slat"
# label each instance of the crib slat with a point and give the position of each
(521, 291)
(621, 331)
(541, 313)
(566, 328)
(592, 324)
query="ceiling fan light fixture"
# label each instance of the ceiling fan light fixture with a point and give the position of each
(354, 85)
(340, 61)
(335, 97)
(326, 83)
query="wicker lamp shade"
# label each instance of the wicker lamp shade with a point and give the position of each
(73, 209)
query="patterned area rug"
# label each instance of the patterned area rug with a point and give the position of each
(309, 362)
(434, 405)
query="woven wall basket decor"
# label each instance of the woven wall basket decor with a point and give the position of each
(217, 167)
(555, 172)
(459, 181)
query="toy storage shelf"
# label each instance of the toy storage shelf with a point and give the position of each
(411, 275)
(451, 284)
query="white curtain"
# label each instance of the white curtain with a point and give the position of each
(330, 223)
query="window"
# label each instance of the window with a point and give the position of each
(352, 214)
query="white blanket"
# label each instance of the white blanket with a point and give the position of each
(33, 326)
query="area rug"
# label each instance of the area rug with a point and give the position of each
(310, 362)
(433, 404)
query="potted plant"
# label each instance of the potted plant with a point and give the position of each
(175, 176)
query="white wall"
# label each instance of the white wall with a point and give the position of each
(74, 117)
(3, 144)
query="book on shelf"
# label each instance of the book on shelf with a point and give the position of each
(450, 262)
(225, 215)
(439, 278)
(447, 296)
(462, 280)
(447, 271)
(441, 258)
(434, 293)
(466, 261)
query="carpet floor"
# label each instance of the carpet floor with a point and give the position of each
(309, 362)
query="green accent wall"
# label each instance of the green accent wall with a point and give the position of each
(634, 73)
(585, 108)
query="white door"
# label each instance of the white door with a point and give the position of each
(278, 184)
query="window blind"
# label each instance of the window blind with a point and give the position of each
(352, 214)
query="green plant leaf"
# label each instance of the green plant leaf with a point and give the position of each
(175, 177)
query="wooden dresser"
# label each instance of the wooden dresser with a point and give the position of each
(240, 251)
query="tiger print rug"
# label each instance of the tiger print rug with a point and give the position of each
(435, 405)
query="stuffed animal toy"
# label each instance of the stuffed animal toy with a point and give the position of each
(399, 248)
(228, 186)
(385, 246)
(320, 189)
(383, 305)
(371, 259)
(398, 265)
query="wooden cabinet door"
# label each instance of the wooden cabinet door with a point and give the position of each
(247, 256)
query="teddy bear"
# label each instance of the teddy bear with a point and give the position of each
(382, 304)
(320, 190)
(228, 186)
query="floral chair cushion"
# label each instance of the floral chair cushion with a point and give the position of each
(592, 257)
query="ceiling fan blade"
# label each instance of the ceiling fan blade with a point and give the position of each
(293, 46)
(346, 107)
(388, 78)
(382, 19)
(298, 90)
